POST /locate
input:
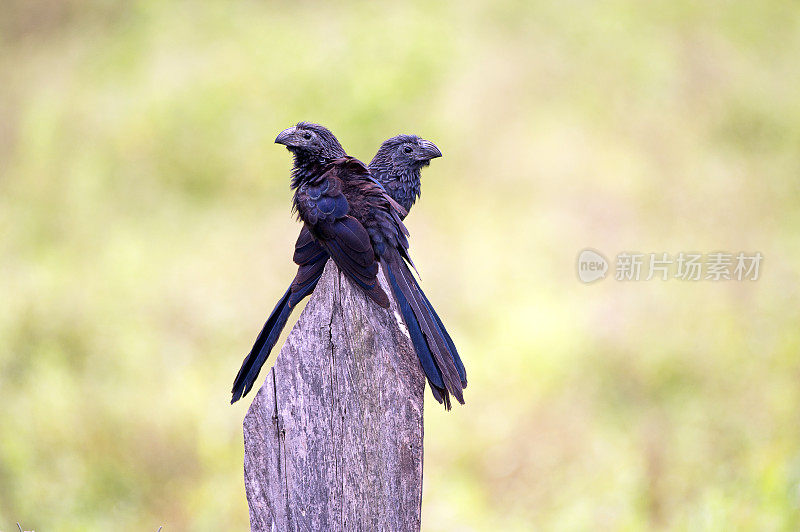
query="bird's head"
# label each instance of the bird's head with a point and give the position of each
(311, 142)
(405, 152)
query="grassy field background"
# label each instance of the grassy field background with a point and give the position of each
(145, 233)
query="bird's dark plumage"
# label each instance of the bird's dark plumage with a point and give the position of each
(349, 217)
(321, 203)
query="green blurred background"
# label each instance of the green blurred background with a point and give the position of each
(145, 234)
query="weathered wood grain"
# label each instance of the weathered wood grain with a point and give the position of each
(333, 439)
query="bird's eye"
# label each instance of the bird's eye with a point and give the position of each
(307, 135)
(407, 149)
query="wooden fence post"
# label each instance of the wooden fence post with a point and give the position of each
(333, 439)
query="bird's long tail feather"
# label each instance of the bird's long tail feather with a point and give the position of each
(271, 332)
(434, 347)
(462, 372)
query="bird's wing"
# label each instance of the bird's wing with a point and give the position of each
(310, 258)
(395, 205)
(325, 209)
(306, 249)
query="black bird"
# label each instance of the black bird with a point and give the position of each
(321, 148)
(352, 218)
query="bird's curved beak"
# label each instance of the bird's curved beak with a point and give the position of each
(429, 150)
(285, 136)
